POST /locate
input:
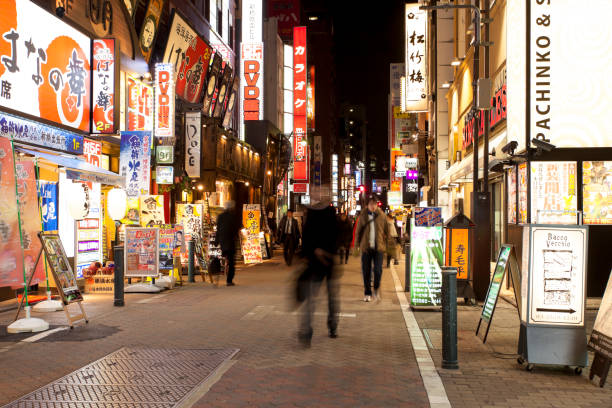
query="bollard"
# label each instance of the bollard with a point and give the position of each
(119, 275)
(190, 277)
(449, 317)
(407, 267)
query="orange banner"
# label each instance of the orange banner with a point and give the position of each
(11, 272)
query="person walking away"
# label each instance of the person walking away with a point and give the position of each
(392, 241)
(227, 232)
(372, 232)
(345, 237)
(320, 234)
(290, 236)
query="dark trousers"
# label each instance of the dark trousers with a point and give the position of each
(344, 252)
(230, 255)
(333, 301)
(289, 248)
(371, 258)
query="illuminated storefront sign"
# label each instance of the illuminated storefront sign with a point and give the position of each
(553, 192)
(45, 66)
(252, 93)
(92, 150)
(334, 171)
(139, 105)
(300, 152)
(103, 89)
(164, 100)
(416, 59)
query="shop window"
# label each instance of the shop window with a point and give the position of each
(206, 8)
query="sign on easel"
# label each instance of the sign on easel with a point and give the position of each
(141, 252)
(62, 274)
(426, 260)
(601, 337)
(506, 260)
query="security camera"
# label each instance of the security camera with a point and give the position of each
(60, 11)
(510, 147)
(543, 145)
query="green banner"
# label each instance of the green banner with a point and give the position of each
(426, 259)
(495, 285)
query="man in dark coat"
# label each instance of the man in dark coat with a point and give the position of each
(319, 246)
(227, 231)
(289, 235)
(345, 237)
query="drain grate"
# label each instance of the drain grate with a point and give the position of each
(131, 377)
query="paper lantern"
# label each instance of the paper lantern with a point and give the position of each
(116, 203)
(78, 204)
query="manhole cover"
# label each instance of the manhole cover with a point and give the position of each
(131, 377)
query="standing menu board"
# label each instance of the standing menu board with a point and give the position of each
(167, 237)
(426, 259)
(601, 337)
(60, 267)
(557, 267)
(141, 252)
(251, 248)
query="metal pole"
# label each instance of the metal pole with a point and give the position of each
(190, 277)
(407, 267)
(485, 112)
(119, 275)
(449, 318)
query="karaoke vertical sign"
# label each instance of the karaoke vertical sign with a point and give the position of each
(300, 147)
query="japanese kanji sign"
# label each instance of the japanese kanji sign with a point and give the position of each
(134, 161)
(164, 100)
(300, 150)
(458, 251)
(44, 65)
(193, 143)
(416, 58)
(103, 76)
(139, 105)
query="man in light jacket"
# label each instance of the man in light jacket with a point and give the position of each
(372, 233)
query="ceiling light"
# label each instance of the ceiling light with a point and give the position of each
(200, 187)
(313, 18)
(446, 85)
(456, 62)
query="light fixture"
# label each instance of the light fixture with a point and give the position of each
(456, 62)
(269, 172)
(446, 85)
(351, 110)
(116, 203)
(313, 18)
(200, 187)
(350, 134)
(246, 183)
(224, 137)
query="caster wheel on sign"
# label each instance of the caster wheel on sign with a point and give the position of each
(578, 370)
(529, 367)
(71, 327)
(86, 321)
(520, 360)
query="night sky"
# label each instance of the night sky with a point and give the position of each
(367, 40)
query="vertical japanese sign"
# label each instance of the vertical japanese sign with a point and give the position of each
(511, 183)
(134, 162)
(193, 142)
(458, 250)
(416, 59)
(597, 192)
(11, 263)
(48, 197)
(334, 174)
(148, 32)
(300, 151)
(164, 100)
(30, 219)
(251, 215)
(103, 89)
(557, 275)
(522, 193)
(44, 65)
(140, 105)
(553, 192)
(426, 257)
(151, 210)
(141, 252)
(252, 92)
(318, 158)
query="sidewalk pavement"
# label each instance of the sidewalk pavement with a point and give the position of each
(370, 364)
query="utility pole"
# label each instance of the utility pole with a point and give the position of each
(480, 202)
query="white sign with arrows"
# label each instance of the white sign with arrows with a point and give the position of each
(557, 266)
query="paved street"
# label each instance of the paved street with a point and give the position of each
(370, 364)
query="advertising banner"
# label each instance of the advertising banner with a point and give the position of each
(60, 268)
(190, 216)
(134, 162)
(601, 336)
(139, 115)
(103, 89)
(193, 142)
(11, 264)
(553, 192)
(164, 100)
(300, 96)
(88, 246)
(30, 219)
(141, 252)
(252, 81)
(192, 71)
(151, 210)
(427, 216)
(251, 248)
(557, 274)
(426, 259)
(511, 184)
(92, 150)
(48, 197)
(251, 216)
(148, 32)
(46, 66)
(167, 236)
(218, 100)
(522, 193)
(597, 192)
(164, 175)
(416, 59)
(396, 71)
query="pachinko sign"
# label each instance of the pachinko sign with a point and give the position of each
(164, 100)
(139, 105)
(44, 66)
(103, 76)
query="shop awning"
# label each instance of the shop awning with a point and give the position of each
(78, 169)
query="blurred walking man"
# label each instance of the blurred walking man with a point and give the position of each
(289, 236)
